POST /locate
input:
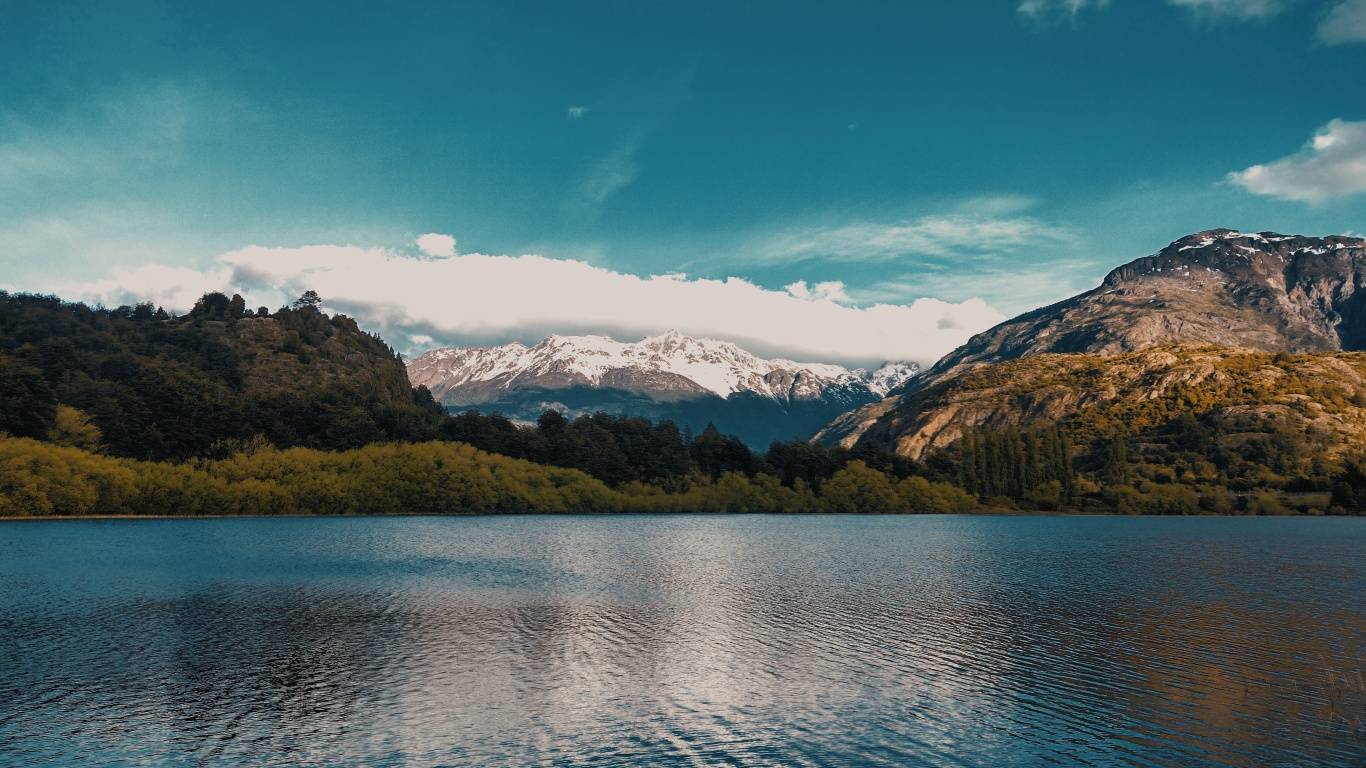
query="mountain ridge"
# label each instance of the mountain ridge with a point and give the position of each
(706, 365)
(1263, 291)
(669, 375)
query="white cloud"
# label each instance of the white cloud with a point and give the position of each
(937, 235)
(1345, 23)
(1040, 9)
(1238, 9)
(436, 245)
(174, 288)
(1332, 164)
(829, 290)
(475, 298)
(609, 175)
(576, 112)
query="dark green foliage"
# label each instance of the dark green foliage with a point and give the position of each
(1113, 454)
(1349, 488)
(715, 454)
(803, 462)
(27, 404)
(163, 387)
(308, 299)
(1013, 464)
(624, 449)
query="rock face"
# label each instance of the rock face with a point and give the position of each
(1257, 291)
(692, 381)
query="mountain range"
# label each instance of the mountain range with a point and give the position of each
(670, 376)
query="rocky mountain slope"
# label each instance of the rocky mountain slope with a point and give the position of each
(1320, 397)
(1257, 291)
(690, 380)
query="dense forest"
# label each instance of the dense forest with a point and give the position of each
(227, 410)
(140, 383)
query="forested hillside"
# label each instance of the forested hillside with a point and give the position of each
(137, 382)
(1166, 430)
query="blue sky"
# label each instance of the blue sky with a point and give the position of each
(1005, 151)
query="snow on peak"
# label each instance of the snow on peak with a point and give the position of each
(890, 376)
(720, 367)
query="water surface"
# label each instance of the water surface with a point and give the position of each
(683, 640)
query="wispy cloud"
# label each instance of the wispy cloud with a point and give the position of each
(1009, 286)
(1039, 10)
(576, 112)
(608, 176)
(1044, 10)
(1331, 165)
(479, 298)
(78, 179)
(128, 126)
(1345, 23)
(1235, 9)
(961, 232)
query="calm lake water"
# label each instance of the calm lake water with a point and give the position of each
(683, 640)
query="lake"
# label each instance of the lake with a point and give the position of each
(684, 640)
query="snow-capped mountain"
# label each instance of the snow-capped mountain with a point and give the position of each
(671, 375)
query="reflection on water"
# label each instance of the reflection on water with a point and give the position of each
(962, 641)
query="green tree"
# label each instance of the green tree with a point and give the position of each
(73, 427)
(27, 404)
(859, 489)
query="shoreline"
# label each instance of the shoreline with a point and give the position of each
(333, 516)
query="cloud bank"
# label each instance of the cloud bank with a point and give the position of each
(1331, 165)
(416, 301)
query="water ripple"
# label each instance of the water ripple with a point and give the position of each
(684, 641)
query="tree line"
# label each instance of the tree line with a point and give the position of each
(41, 479)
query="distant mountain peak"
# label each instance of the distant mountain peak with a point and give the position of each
(680, 361)
(668, 375)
